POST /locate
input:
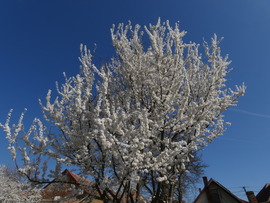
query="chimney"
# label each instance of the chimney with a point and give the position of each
(205, 181)
(251, 197)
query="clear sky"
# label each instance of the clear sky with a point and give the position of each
(39, 40)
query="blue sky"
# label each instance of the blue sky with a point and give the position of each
(39, 40)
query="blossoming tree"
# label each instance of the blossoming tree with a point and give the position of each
(14, 190)
(132, 123)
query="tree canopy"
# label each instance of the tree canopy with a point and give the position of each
(132, 123)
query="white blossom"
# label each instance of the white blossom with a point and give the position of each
(14, 190)
(140, 115)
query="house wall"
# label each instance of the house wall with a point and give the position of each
(224, 197)
(202, 199)
(58, 189)
(218, 195)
